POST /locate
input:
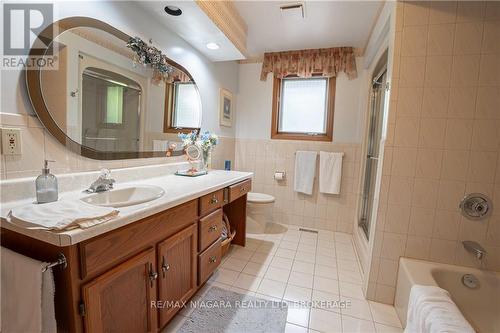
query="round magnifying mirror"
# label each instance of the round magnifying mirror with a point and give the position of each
(193, 152)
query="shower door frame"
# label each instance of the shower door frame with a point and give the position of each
(378, 94)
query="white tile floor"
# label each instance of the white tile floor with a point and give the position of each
(296, 266)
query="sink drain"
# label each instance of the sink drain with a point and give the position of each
(470, 281)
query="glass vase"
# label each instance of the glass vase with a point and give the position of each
(205, 159)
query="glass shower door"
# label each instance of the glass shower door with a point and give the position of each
(372, 153)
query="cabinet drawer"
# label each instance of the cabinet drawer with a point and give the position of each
(208, 261)
(111, 248)
(211, 202)
(239, 189)
(210, 228)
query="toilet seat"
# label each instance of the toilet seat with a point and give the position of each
(259, 198)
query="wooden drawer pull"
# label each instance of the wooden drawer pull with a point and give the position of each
(212, 259)
(243, 189)
(212, 228)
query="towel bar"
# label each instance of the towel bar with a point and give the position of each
(295, 153)
(61, 260)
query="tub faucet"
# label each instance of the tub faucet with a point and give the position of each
(102, 183)
(474, 248)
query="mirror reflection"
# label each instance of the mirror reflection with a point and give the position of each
(103, 98)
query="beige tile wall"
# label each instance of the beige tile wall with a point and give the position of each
(443, 138)
(38, 144)
(322, 211)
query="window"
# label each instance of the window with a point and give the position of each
(303, 108)
(186, 106)
(114, 105)
(183, 109)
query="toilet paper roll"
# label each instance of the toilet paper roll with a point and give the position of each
(279, 175)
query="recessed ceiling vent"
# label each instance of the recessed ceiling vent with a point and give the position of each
(295, 10)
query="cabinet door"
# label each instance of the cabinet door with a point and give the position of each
(121, 300)
(177, 271)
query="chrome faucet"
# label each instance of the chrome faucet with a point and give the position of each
(102, 183)
(474, 248)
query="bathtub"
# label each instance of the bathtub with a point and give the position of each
(480, 306)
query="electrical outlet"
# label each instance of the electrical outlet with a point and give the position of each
(11, 141)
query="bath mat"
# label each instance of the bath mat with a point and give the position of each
(221, 310)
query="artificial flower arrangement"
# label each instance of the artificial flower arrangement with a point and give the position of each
(205, 141)
(149, 55)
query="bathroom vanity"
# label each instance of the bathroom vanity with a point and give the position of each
(133, 274)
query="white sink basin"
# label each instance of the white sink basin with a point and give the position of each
(127, 196)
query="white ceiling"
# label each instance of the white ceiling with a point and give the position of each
(194, 27)
(326, 24)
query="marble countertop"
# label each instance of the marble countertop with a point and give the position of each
(177, 189)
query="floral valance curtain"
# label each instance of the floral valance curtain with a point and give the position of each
(305, 63)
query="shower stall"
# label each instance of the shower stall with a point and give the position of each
(111, 107)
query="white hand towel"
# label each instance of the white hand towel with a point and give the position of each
(27, 294)
(305, 171)
(160, 145)
(330, 172)
(60, 215)
(432, 310)
(48, 309)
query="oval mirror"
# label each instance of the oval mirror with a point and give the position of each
(111, 96)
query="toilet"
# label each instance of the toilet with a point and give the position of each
(259, 212)
(259, 198)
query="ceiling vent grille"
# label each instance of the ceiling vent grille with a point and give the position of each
(293, 10)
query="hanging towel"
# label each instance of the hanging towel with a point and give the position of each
(60, 215)
(432, 310)
(27, 294)
(330, 172)
(160, 145)
(305, 171)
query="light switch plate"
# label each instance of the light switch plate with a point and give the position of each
(11, 141)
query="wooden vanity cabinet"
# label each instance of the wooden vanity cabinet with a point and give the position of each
(127, 279)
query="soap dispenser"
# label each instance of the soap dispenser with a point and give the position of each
(46, 185)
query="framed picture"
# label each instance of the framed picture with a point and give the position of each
(226, 106)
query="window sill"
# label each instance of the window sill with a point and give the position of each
(303, 137)
(179, 130)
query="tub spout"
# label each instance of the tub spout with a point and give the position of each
(474, 248)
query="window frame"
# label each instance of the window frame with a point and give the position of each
(169, 114)
(276, 110)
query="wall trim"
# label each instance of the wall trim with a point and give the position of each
(226, 17)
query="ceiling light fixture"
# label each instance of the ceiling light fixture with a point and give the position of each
(173, 10)
(213, 46)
